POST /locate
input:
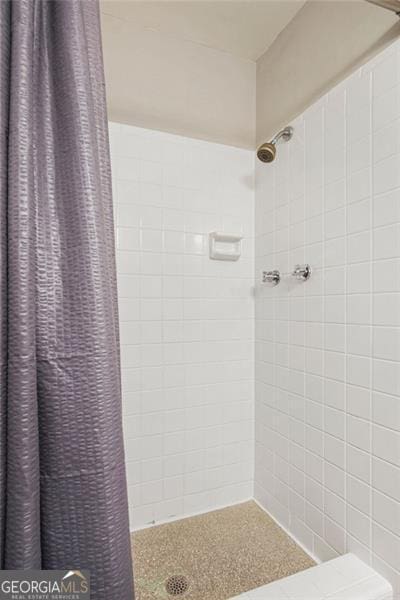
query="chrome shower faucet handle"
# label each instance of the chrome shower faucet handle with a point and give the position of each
(271, 277)
(302, 272)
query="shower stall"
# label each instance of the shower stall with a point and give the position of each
(274, 377)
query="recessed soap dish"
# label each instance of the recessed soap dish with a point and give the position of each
(225, 246)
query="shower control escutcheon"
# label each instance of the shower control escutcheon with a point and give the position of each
(302, 272)
(271, 277)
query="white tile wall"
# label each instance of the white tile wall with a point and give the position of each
(327, 462)
(186, 322)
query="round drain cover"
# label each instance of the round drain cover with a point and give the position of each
(177, 585)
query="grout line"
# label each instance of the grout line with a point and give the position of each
(289, 534)
(371, 307)
(189, 515)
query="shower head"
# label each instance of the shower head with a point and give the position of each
(267, 151)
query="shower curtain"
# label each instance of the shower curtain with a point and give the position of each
(63, 501)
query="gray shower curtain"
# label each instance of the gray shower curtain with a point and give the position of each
(62, 476)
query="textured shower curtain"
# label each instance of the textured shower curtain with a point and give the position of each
(63, 491)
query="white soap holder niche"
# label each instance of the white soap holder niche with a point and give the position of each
(225, 246)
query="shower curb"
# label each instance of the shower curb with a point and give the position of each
(343, 578)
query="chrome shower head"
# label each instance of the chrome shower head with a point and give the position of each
(267, 151)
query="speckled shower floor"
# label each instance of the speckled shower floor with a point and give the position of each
(221, 554)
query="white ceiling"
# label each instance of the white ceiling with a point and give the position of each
(244, 29)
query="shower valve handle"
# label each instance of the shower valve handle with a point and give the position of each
(302, 272)
(272, 277)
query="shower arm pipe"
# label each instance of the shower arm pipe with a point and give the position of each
(285, 133)
(393, 5)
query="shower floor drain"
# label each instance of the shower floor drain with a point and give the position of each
(177, 585)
